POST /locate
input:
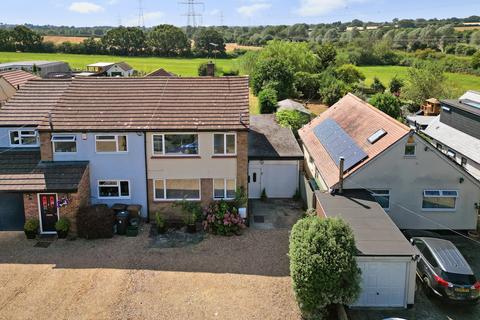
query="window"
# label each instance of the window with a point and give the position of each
(452, 154)
(113, 189)
(439, 147)
(410, 150)
(64, 144)
(224, 188)
(177, 189)
(111, 143)
(175, 144)
(439, 200)
(382, 197)
(224, 144)
(464, 161)
(429, 257)
(23, 138)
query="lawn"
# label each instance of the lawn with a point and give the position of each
(181, 66)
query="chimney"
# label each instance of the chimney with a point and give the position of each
(210, 69)
(342, 165)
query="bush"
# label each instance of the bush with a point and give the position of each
(292, 119)
(332, 90)
(31, 225)
(349, 74)
(322, 264)
(159, 220)
(307, 85)
(232, 72)
(222, 218)
(267, 100)
(202, 70)
(277, 74)
(63, 224)
(377, 85)
(476, 60)
(396, 85)
(192, 211)
(387, 103)
(95, 222)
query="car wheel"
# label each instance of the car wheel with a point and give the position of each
(426, 287)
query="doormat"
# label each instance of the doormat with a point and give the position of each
(42, 244)
(259, 219)
(48, 237)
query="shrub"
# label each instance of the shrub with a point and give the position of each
(387, 103)
(377, 85)
(31, 225)
(192, 211)
(232, 72)
(292, 119)
(264, 196)
(202, 69)
(267, 100)
(322, 264)
(63, 224)
(396, 85)
(277, 74)
(476, 60)
(95, 222)
(159, 220)
(222, 218)
(307, 85)
(350, 74)
(333, 90)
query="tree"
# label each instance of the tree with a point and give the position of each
(292, 119)
(475, 38)
(296, 54)
(326, 54)
(202, 69)
(124, 41)
(332, 90)
(377, 85)
(249, 61)
(476, 60)
(349, 74)
(387, 103)
(6, 40)
(307, 85)
(25, 39)
(278, 74)
(168, 40)
(396, 85)
(331, 36)
(209, 41)
(322, 264)
(425, 80)
(267, 100)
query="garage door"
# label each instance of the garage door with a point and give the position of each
(383, 284)
(278, 178)
(11, 212)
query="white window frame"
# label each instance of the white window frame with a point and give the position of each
(224, 188)
(225, 134)
(440, 195)
(163, 154)
(118, 181)
(374, 193)
(20, 135)
(73, 138)
(116, 143)
(164, 199)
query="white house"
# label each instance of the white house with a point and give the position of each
(111, 69)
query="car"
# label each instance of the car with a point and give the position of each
(444, 272)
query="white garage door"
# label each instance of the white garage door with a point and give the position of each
(383, 284)
(278, 178)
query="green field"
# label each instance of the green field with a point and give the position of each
(181, 66)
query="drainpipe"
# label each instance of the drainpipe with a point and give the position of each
(342, 165)
(146, 174)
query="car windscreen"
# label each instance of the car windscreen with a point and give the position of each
(460, 279)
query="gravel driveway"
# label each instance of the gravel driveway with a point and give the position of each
(242, 277)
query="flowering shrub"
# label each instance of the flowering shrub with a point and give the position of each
(222, 218)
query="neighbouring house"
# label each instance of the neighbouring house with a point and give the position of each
(289, 104)
(274, 159)
(11, 81)
(456, 131)
(417, 185)
(419, 122)
(161, 73)
(42, 68)
(109, 69)
(385, 256)
(147, 141)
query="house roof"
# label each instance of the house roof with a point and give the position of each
(455, 139)
(421, 120)
(267, 140)
(161, 73)
(100, 64)
(123, 65)
(469, 102)
(155, 103)
(17, 78)
(38, 63)
(374, 231)
(289, 104)
(22, 170)
(359, 120)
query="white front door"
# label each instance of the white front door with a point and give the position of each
(254, 183)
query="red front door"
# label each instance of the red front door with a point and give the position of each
(48, 211)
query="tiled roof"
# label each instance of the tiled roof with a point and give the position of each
(152, 103)
(359, 120)
(22, 170)
(17, 77)
(161, 73)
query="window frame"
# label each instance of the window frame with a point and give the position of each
(463, 161)
(73, 139)
(20, 136)
(440, 195)
(374, 193)
(414, 145)
(118, 181)
(225, 134)
(224, 188)
(174, 155)
(116, 143)
(164, 199)
(451, 154)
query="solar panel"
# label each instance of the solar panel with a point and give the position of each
(339, 144)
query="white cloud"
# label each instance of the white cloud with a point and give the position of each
(85, 7)
(310, 8)
(252, 9)
(151, 18)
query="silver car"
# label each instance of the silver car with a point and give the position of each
(444, 271)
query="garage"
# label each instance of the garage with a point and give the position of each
(12, 215)
(274, 159)
(386, 258)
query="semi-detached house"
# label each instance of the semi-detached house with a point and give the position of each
(146, 141)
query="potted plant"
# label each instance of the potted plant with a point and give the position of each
(31, 228)
(161, 223)
(62, 226)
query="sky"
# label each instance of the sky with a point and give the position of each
(228, 12)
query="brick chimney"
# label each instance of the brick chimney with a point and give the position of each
(210, 69)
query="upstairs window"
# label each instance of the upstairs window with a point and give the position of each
(175, 144)
(382, 197)
(224, 144)
(410, 147)
(111, 143)
(64, 144)
(26, 138)
(439, 200)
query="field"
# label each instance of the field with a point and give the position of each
(61, 39)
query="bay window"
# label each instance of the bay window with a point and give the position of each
(224, 188)
(439, 200)
(176, 189)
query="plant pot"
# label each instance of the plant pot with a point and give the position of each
(62, 234)
(30, 234)
(191, 228)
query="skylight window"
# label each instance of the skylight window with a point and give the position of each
(377, 136)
